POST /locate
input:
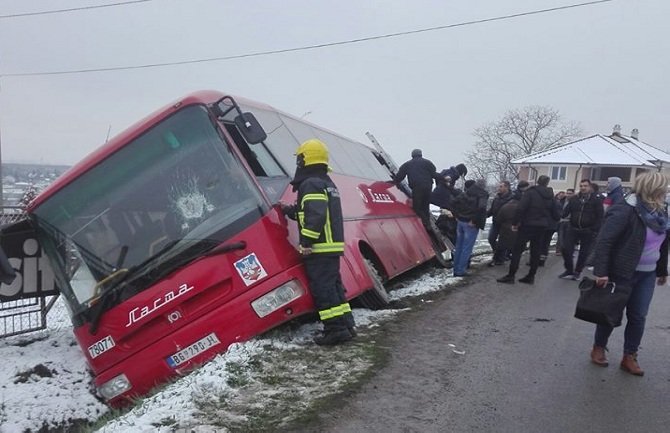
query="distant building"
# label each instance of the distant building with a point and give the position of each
(596, 157)
(19, 178)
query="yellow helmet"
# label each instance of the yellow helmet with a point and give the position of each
(312, 152)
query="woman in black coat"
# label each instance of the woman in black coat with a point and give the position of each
(632, 251)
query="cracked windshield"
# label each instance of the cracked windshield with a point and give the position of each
(176, 186)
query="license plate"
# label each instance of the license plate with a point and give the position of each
(193, 350)
(100, 347)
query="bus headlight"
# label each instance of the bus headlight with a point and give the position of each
(114, 387)
(277, 298)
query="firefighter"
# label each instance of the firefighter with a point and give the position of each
(321, 230)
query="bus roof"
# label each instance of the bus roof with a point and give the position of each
(131, 133)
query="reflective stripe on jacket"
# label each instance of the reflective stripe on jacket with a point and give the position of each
(319, 215)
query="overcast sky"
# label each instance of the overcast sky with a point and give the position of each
(598, 65)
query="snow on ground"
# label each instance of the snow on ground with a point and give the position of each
(44, 379)
(45, 383)
(181, 403)
(425, 284)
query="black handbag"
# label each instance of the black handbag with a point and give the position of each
(601, 305)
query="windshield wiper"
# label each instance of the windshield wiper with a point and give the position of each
(99, 304)
(122, 275)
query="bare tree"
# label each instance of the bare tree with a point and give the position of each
(518, 133)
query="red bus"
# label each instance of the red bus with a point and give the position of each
(167, 245)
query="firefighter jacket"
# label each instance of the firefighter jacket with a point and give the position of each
(319, 215)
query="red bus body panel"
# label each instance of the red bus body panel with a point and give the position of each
(209, 296)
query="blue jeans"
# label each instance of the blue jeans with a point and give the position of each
(466, 235)
(636, 313)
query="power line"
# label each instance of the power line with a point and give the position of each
(307, 47)
(56, 11)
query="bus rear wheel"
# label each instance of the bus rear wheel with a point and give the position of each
(376, 297)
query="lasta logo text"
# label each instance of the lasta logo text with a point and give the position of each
(134, 317)
(380, 197)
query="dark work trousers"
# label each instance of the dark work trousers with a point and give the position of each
(562, 228)
(546, 243)
(498, 253)
(421, 203)
(585, 237)
(526, 234)
(325, 284)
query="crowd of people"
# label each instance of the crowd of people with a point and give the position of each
(622, 238)
(520, 216)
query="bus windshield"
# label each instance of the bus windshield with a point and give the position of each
(167, 193)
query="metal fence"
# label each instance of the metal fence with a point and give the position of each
(11, 214)
(23, 315)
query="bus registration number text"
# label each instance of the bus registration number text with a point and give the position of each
(100, 347)
(193, 350)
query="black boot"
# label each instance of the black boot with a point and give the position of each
(528, 279)
(333, 337)
(507, 279)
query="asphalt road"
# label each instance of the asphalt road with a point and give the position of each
(525, 367)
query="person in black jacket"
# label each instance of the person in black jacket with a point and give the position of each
(535, 213)
(503, 196)
(632, 252)
(470, 211)
(321, 226)
(506, 217)
(549, 233)
(564, 222)
(585, 211)
(420, 173)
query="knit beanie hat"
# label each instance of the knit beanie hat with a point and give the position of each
(613, 183)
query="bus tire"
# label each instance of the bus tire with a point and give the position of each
(376, 297)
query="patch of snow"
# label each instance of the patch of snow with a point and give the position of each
(425, 284)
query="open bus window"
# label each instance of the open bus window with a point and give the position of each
(259, 159)
(270, 175)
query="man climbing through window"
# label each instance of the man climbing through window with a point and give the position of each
(420, 173)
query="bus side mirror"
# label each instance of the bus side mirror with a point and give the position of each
(251, 130)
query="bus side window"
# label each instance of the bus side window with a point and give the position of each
(268, 171)
(247, 152)
(302, 131)
(366, 158)
(279, 142)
